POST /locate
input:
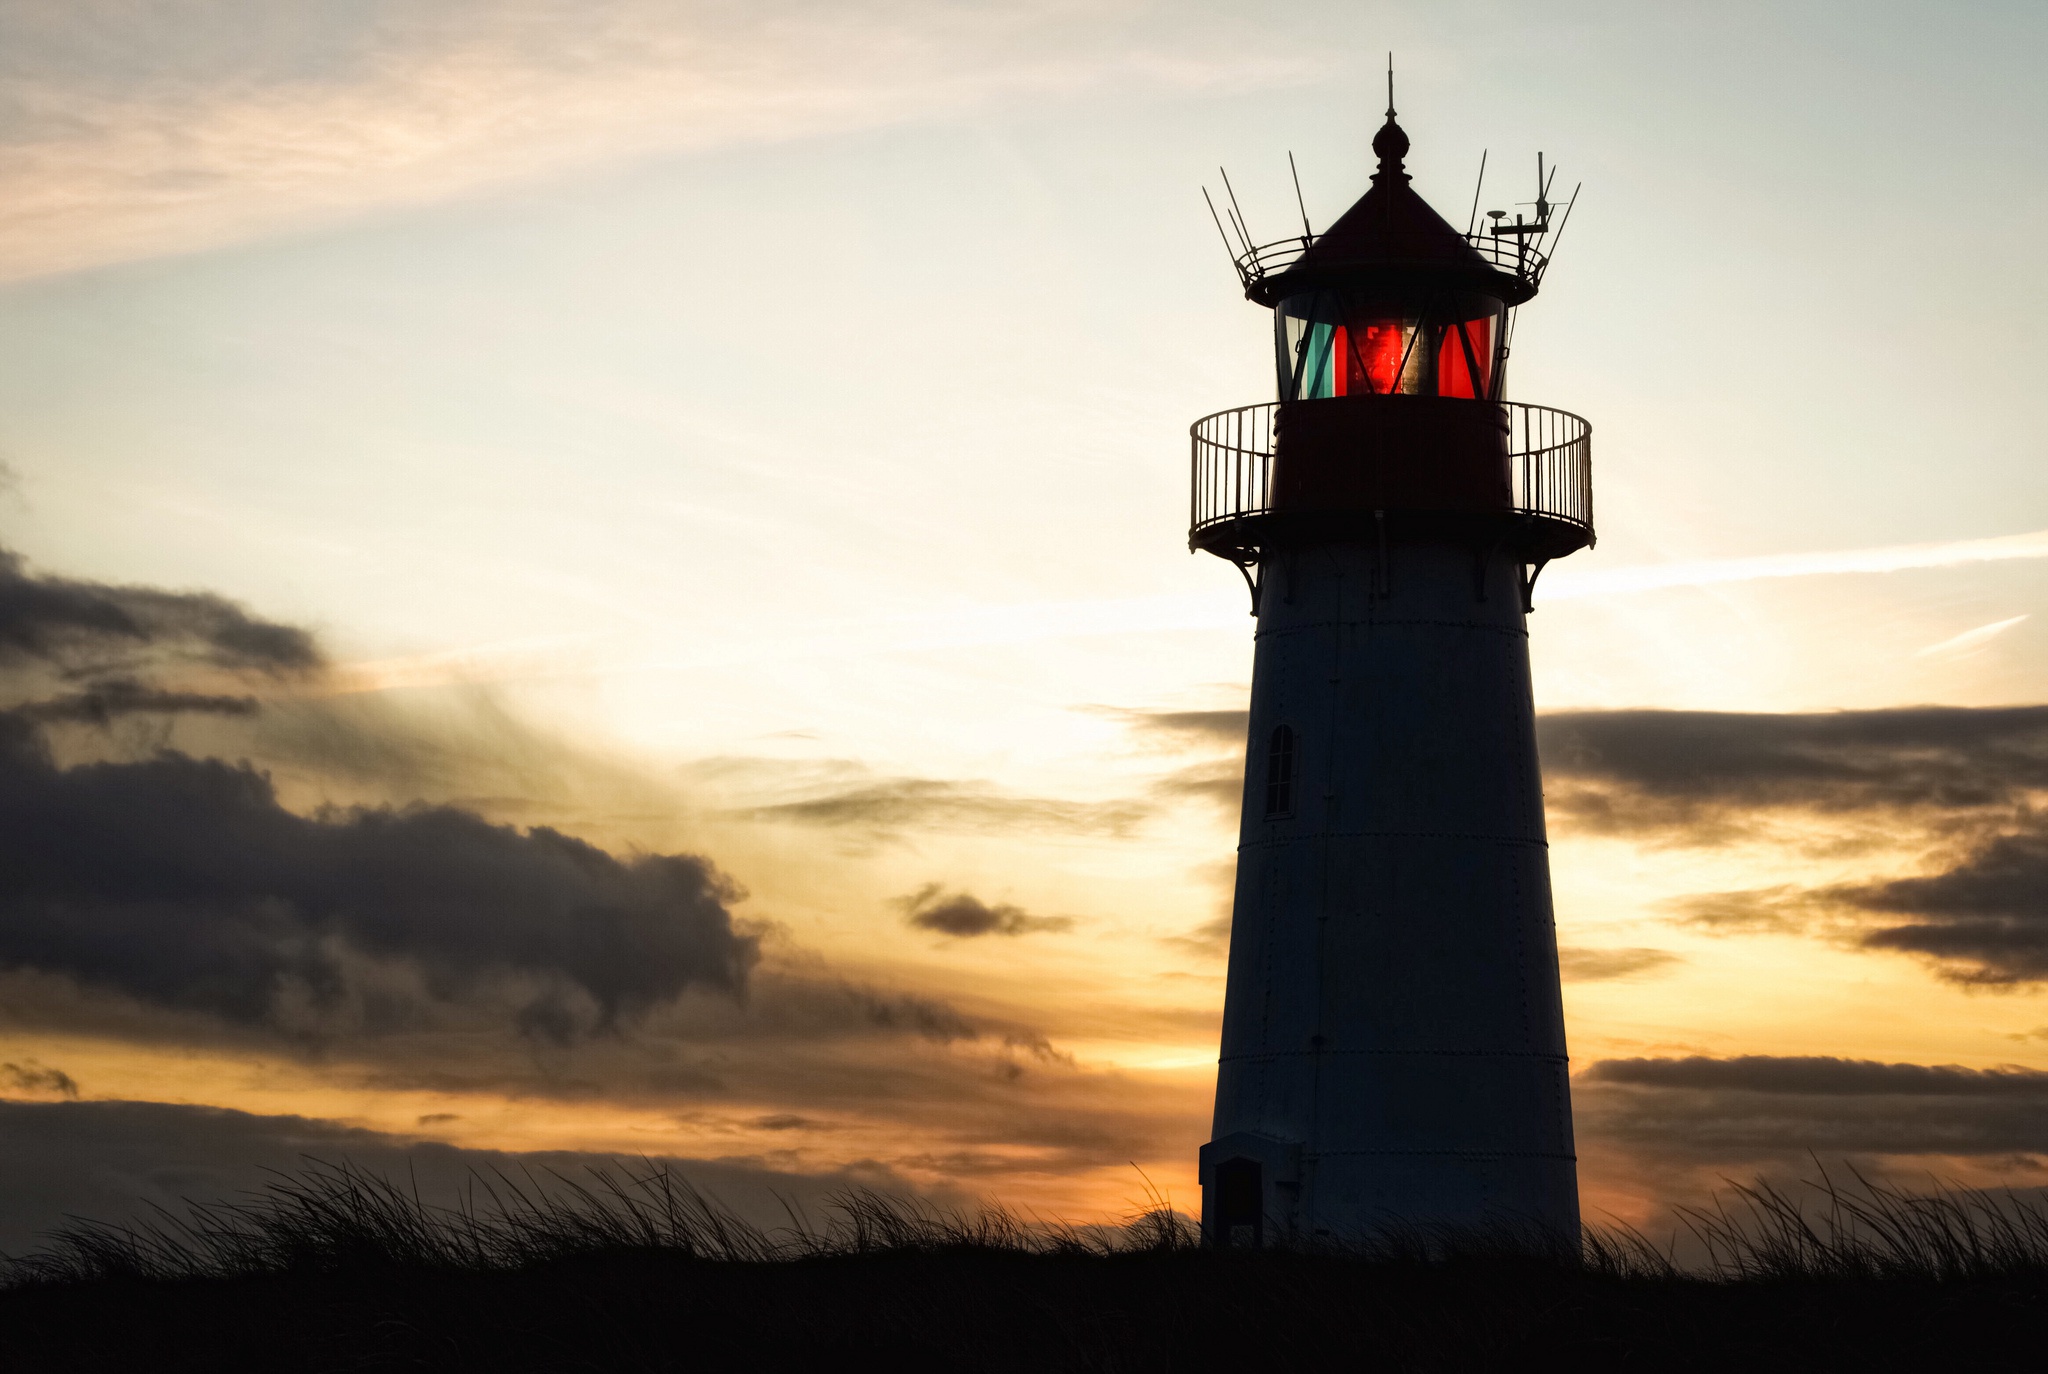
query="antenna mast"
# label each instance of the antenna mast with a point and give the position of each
(1308, 235)
(1473, 218)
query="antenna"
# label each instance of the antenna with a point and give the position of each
(1473, 218)
(1562, 222)
(1307, 234)
(1219, 229)
(1242, 232)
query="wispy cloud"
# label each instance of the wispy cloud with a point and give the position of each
(1578, 965)
(1570, 584)
(1969, 639)
(139, 129)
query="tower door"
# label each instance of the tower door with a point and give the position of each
(1241, 1203)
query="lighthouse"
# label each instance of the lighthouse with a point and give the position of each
(1393, 1049)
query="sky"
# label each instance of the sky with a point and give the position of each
(610, 579)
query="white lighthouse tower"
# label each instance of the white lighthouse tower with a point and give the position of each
(1393, 1037)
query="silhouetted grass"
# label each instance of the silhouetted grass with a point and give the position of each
(336, 1219)
(630, 1268)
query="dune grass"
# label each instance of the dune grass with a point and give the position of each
(630, 1268)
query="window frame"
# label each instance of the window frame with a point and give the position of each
(1283, 749)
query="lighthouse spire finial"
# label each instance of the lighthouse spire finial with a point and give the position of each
(1391, 142)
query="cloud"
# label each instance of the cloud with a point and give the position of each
(933, 908)
(92, 628)
(1984, 918)
(106, 702)
(1210, 940)
(893, 805)
(1577, 965)
(1737, 1112)
(182, 882)
(1220, 783)
(1959, 645)
(1782, 909)
(144, 128)
(1220, 728)
(1702, 775)
(1981, 916)
(32, 1077)
(1823, 1076)
(185, 883)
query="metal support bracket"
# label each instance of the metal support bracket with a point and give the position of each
(1530, 572)
(1249, 572)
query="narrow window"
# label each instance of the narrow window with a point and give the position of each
(1280, 772)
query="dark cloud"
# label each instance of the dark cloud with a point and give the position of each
(1984, 919)
(926, 1017)
(106, 702)
(1579, 965)
(34, 1078)
(112, 1161)
(933, 908)
(91, 627)
(1981, 917)
(1821, 1075)
(897, 804)
(1738, 1112)
(182, 882)
(1637, 771)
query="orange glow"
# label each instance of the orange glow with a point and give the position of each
(1371, 357)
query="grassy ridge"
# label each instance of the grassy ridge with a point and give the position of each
(633, 1270)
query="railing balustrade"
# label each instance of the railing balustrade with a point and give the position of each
(1508, 254)
(1550, 464)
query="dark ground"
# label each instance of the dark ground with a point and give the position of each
(1002, 1310)
(630, 1269)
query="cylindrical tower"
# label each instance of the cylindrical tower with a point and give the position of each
(1393, 1036)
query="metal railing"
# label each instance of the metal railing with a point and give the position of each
(1508, 254)
(1549, 452)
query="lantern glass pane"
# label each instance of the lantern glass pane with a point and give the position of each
(1329, 343)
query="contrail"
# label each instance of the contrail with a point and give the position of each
(1970, 639)
(1566, 584)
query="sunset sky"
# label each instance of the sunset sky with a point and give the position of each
(724, 465)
